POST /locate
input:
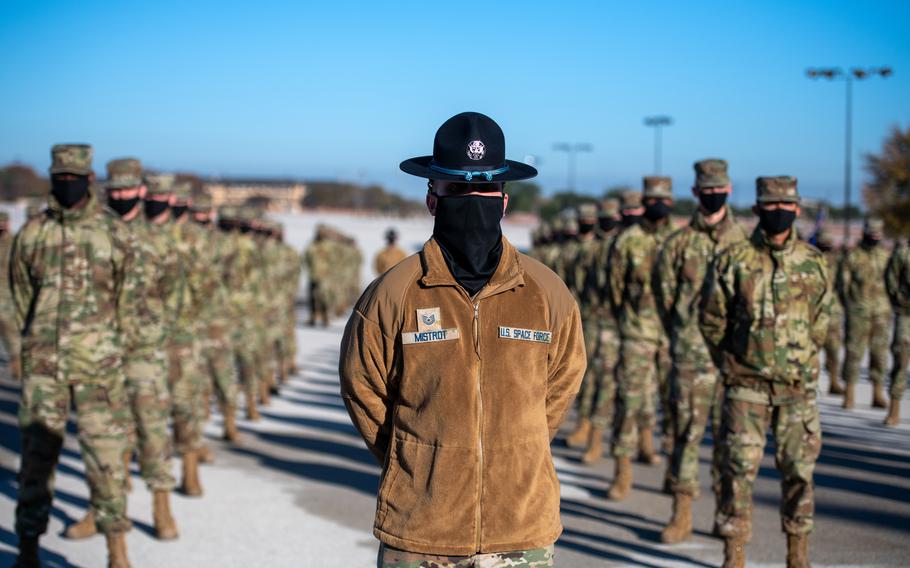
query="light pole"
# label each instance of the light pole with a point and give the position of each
(572, 150)
(658, 122)
(836, 73)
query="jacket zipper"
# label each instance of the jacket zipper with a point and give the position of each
(479, 514)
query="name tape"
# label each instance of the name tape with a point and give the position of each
(524, 334)
(412, 337)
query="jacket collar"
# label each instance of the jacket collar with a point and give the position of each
(760, 240)
(714, 231)
(509, 274)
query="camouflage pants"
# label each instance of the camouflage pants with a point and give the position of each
(150, 402)
(101, 419)
(591, 330)
(607, 359)
(834, 341)
(872, 332)
(188, 388)
(747, 415)
(534, 558)
(321, 302)
(218, 363)
(9, 335)
(245, 358)
(289, 342)
(641, 366)
(696, 399)
(900, 350)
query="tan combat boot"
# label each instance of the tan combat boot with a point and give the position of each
(836, 388)
(165, 527)
(646, 453)
(595, 449)
(579, 438)
(116, 551)
(622, 480)
(191, 486)
(231, 434)
(798, 551)
(680, 526)
(15, 367)
(205, 455)
(265, 394)
(83, 529)
(878, 396)
(734, 553)
(894, 413)
(849, 391)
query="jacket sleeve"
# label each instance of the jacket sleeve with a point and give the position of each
(823, 306)
(664, 281)
(842, 282)
(897, 270)
(566, 367)
(20, 283)
(616, 275)
(365, 366)
(716, 296)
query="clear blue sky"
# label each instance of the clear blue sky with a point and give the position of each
(346, 90)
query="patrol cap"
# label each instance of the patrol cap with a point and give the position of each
(227, 213)
(391, 234)
(631, 199)
(776, 189)
(609, 207)
(587, 212)
(201, 204)
(711, 172)
(570, 226)
(71, 159)
(159, 184)
(183, 191)
(873, 225)
(657, 186)
(124, 173)
(557, 225)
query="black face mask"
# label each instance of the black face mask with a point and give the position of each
(775, 221)
(69, 192)
(585, 228)
(656, 211)
(607, 224)
(155, 208)
(122, 206)
(869, 242)
(179, 210)
(629, 220)
(712, 202)
(467, 229)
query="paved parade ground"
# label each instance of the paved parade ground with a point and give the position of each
(301, 493)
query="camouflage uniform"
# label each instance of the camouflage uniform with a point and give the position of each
(9, 332)
(319, 261)
(582, 265)
(834, 341)
(69, 272)
(696, 393)
(897, 280)
(644, 357)
(145, 361)
(765, 317)
(536, 558)
(861, 288)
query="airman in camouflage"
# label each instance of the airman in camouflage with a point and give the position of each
(70, 271)
(897, 281)
(834, 341)
(391, 255)
(765, 316)
(145, 361)
(215, 342)
(644, 357)
(598, 396)
(9, 332)
(861, 289)
(319, 262)
(535, 558)
(696, 391)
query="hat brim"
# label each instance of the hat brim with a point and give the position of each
(420, 167)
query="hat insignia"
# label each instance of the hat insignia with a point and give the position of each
(476, 150)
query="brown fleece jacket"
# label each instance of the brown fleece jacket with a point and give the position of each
(458, 398)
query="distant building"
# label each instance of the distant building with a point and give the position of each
(277, 196)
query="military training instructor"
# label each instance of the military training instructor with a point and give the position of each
(457, 367)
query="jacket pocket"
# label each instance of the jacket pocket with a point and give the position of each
(429, 494)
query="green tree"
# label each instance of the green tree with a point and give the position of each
(523, 196)
(563, 200)
(18, 180)
(887, 193)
